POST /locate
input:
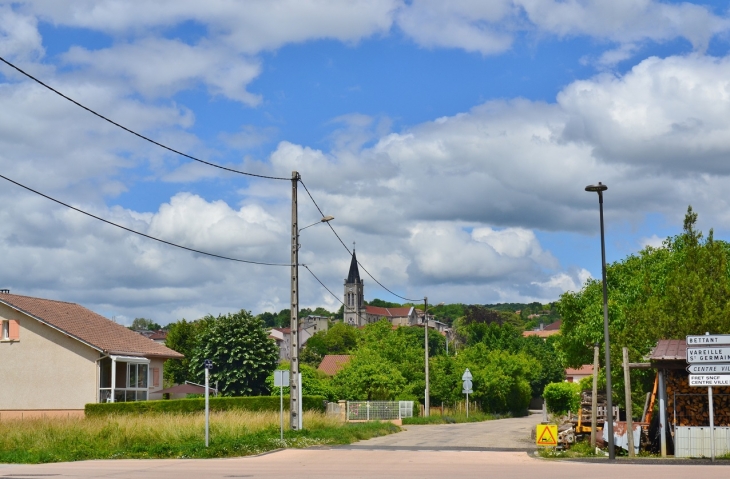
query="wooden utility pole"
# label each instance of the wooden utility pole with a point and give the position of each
(594, 398)
(627, 387)
(294, 391)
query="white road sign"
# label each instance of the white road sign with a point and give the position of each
(466, 376)
(708, 369)
(708, 355)
(281, 378)
(709, 340)
(709, 379)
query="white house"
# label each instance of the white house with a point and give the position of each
(56, 357)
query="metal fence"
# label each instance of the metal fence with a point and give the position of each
(378, 410)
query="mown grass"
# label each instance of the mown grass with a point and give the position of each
(232, 433)
(450, 418)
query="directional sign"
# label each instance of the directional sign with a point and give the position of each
(547, 435)
(708, 368)
(208, 364)
(708, 355)
(709, 379)
(709, 340)
(466, 376)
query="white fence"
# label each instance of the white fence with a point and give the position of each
(695, 441)
(378, 410)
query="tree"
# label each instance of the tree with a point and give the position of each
(181, 337)
(144, 324)
(369, 377)
(339, 339)
(242, 354)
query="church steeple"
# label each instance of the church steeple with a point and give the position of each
(354, 275)
(354, 311)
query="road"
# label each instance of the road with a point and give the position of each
(497, 435)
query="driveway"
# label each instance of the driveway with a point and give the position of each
(511, 434)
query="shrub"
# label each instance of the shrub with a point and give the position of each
(249, 403)
(562, 397)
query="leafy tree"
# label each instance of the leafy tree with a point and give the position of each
(182, 337)
(383, 304)
(144, 324)
(314, 382)
(339, 339)
(369, 377)
(242, 354)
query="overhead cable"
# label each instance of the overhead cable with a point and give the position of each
(139, 233)
(232, 170)
(350, 252)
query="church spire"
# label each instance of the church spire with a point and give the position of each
(354, 276)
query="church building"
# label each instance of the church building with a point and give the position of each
(356, 313)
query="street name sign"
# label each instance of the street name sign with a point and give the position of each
(709, 379)
(708, 369)
(709, 340)
(717, 354)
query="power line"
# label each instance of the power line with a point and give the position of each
(139, 233)
(350, 252)
(232, 170)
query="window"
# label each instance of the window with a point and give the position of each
(10, 330)
(137, 376)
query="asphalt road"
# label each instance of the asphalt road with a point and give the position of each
(497, 435)
(365, 464)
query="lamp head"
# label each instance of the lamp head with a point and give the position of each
(600, 187)
(327, 219)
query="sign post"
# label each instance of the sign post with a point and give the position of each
(208, 365)
(466, 377)
(281, 379)
(708, 357)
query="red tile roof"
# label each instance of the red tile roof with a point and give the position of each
(553, 326)
(332, 363)
(88, 327)
(543, 334)
(586, 369)
(389, 312)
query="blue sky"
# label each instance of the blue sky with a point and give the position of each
(451, 141)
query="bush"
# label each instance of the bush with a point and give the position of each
(249, 403)
(562, 397)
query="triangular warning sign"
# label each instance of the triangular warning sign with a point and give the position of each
(547, 435)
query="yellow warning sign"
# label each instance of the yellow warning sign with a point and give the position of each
(547, 435)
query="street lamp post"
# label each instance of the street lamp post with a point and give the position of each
(295, 392)
(600, 188)
(427, 401)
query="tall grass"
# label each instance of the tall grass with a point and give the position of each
(232, 433)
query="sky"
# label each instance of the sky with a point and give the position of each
(452, 142)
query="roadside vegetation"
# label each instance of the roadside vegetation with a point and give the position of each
(232, 433)
(451, 418)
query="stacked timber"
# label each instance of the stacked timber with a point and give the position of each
(689, 406)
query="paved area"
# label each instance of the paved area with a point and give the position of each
(365, 464)
(498, 435)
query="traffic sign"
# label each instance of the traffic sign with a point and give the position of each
(208, 364)
(281, 378)
(708, 368)
(709, 379)
(466, 376)
(717, 354)
(708, 340)
(547, 435)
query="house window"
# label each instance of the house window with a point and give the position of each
(10, 330)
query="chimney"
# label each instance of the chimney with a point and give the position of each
(542, 326)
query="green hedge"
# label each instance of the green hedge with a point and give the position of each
(562, 397)
(250, 403)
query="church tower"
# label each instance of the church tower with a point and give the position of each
(354, 296)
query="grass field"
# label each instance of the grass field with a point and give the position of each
(449, 418)
(232, 433)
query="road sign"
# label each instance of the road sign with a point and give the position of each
(709, 380)
(466, 376)
(547, 435)
(708, 340)
(208, 364)
(281, 378)
(717, 354)
(708, 369)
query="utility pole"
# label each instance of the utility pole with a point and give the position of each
(294, 391)
(426, 402)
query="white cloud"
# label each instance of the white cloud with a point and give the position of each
(654, 241)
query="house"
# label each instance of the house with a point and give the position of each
(332, 363)
(56, 357)
(397, 316)
(573, 375)
(544, 331)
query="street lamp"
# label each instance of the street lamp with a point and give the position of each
(600, 188)
(325, 219)
(426, 402)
